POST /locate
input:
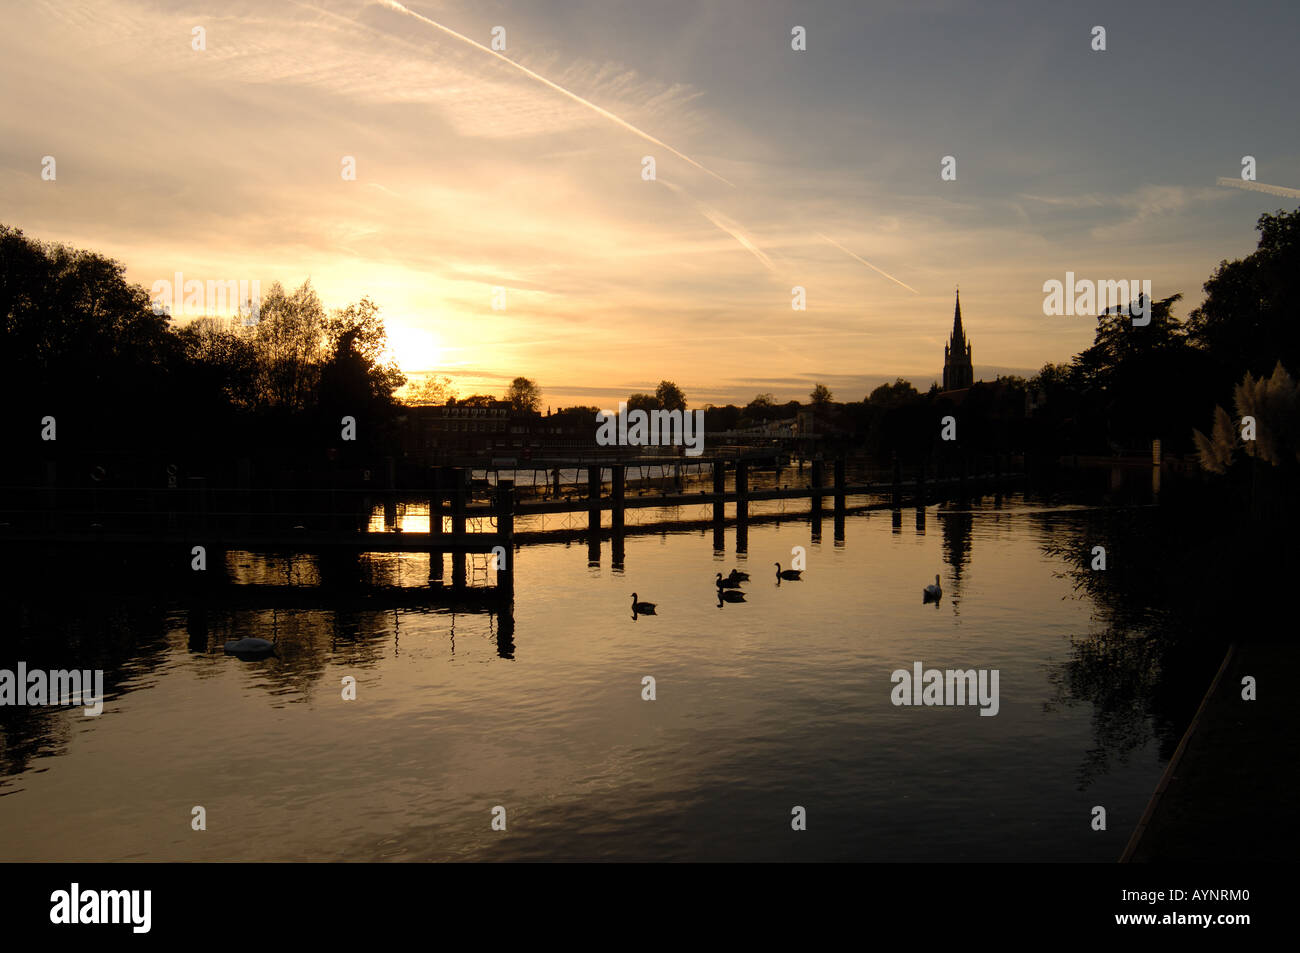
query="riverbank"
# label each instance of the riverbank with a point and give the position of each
(1227, 793)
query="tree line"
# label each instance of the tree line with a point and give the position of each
(80, 343)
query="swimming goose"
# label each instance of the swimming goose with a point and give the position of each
(644, 608)
(787, 573)
(738, 576)
(727, 583)
(932, 592)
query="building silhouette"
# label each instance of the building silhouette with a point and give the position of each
(958, 372)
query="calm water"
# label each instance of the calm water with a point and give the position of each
(782, 701)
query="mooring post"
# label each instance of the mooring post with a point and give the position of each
(593, 499)
(920, 488)
(505, 507)
(460, 490)
(390, 493)
(435, 504)
(742, 491)
(435, 523)
(719, 493)
(815, 481)
(840, 481)
(898, 482)
(617, 475)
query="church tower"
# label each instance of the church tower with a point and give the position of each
(958, 372)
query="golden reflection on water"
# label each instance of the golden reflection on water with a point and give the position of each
(464, 703)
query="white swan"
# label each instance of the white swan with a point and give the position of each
(932, 592)
(250, 648)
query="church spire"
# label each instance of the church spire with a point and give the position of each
(958, 371)
(958, 335)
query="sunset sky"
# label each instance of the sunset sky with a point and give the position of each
(524, 170)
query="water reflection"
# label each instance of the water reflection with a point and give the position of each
(1143, 672)
(760, 700)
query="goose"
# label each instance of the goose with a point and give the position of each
(932, 592)
(738, 576)
(787, 573)
(250, 649)
(729, 595)
(644, 608)
(727, 583)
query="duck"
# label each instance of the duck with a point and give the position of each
(643, 608)
(729, 595)
(787, 573)
(250, 649)
(738, 576)
(932, 592)
(727, 583)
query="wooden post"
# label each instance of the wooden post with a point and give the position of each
(435, 510)
(898, 482)
(816, 481)
(505, 507)
(840, 481)
(593, 499)
(719, 493)
(742, 491)
(390, 495)
(460, 490)
(616, 482)
(435, 525)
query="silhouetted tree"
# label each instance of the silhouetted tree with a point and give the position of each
(288, 339)
(670, 396)
(524, 395)
(434, 389)
(1248, 320)
(892, 395)
(642, 402)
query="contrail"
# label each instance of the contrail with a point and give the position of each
(394, 5)
(867, 263)
(718, 219)
(1261, 187)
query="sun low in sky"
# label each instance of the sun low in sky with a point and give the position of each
(600, 195)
